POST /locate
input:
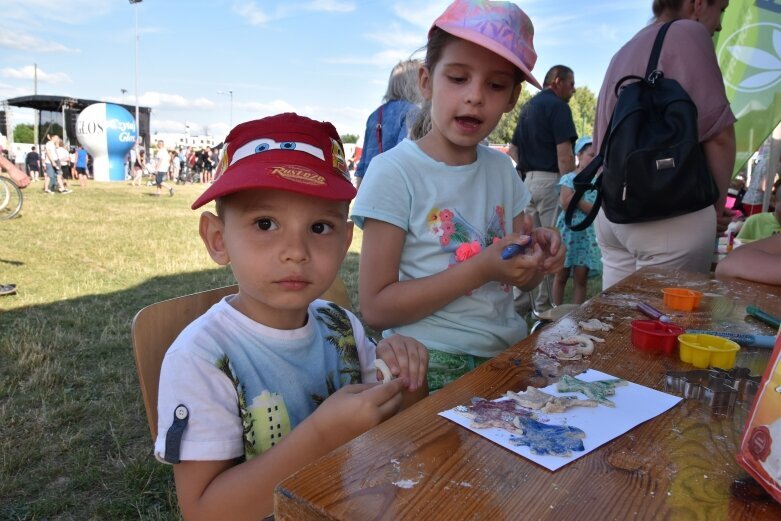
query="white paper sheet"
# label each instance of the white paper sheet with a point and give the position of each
(635, 404)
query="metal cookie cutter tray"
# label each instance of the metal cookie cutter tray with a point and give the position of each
(715, 387)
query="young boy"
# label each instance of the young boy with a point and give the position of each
(761, 225)
(758, 261)
(260, 385)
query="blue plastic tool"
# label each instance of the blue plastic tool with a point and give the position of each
(512, 250)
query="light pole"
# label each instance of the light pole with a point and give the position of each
(230, 93)
(123, 91)
(135, 8)
(37, 114)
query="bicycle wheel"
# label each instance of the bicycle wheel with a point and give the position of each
(10, 199)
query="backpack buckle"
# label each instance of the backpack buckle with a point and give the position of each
(654, 76)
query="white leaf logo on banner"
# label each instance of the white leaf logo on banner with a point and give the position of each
(762, 67)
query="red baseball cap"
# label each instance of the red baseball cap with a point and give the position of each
(283, 152)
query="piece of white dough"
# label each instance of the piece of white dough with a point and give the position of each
(584, 344)
(380, 364)
(594, 324)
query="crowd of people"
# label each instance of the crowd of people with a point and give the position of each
(180, 164)
(57, 165)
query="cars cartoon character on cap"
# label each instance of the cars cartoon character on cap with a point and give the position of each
(284, 152)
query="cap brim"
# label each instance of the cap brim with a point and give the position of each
(249, 175)
(491, 45)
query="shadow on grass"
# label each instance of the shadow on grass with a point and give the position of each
(73, 432)
(74, 438)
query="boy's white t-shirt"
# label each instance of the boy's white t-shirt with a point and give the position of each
(246, 385)
(445, 210)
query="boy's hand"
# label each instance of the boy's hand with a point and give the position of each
(406, 358)
(354, 409)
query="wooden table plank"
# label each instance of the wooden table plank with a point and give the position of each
(680, 464)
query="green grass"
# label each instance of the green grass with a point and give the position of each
(74, 442)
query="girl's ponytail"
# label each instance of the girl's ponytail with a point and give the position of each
(419, 121)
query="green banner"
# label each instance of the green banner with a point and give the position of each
(749, 52)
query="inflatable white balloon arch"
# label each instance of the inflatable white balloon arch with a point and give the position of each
(107, 132)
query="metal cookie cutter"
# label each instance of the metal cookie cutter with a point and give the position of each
(717, 388)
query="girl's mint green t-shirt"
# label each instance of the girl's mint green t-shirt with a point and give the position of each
(448, 214)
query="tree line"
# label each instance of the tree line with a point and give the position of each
(583, 105)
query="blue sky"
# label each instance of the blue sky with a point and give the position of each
(327, 59)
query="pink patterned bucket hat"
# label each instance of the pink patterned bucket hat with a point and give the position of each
(500, 27)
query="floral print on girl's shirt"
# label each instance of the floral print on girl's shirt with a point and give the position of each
(462, 239)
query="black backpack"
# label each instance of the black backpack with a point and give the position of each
(653, 165)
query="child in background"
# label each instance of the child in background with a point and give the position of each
(81, 166)
(757, 261)
(139, 167)
(162, 165)
(583, 258)
(437, 212)
(259, 386)
(761, 225)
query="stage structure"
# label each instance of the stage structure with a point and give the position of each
(62, 112)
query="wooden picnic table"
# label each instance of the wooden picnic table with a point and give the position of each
(679, 465)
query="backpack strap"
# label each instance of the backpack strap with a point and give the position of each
(583, 183)
(378, 129)
(651, 72)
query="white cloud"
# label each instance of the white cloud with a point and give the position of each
(260, 109)
(203, 103)
(18, 41)
(38, 13)
(395, 36)
(9, 91)
(609, 33)
(254, 15)
(420, 16)
(167, 125)
(251, 12)
(384, 59)
(165, 100)
(28, 73)
(347, 120)
(329, 6)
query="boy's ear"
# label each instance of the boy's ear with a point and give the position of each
(424, 82)
(348, 238)
(212, 229)
(514, 97)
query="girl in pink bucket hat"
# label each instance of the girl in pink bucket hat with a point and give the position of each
(440, 213)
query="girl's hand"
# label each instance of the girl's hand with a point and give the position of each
(354, 409)
(548, 241)
(406, 358)
(519, 270)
